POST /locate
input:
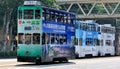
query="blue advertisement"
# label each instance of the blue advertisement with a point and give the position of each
(50, 27)
(86, 34)
(52, 51)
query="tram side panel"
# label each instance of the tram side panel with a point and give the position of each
(117, 45)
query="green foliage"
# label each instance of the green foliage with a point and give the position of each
(48, 3)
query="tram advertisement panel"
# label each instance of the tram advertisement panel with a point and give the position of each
(58, 28)
(57, 51)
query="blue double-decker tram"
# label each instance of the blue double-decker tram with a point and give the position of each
(86, 38)
(58, 34)
(44, 34)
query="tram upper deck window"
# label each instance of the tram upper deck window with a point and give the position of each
(52, 16)
(76, 25)
(112, 30)
(28, 14)
(45, 38)
(47, 15)
(43, 14)
(93, 28)
(20, 38)
(103, 29)
(37, 14)
(65, 19)
(72, 19)
(83, 26)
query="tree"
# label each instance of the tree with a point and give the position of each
(8, 18)
(48, 3)
(7, 8)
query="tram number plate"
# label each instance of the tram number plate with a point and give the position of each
(28, 28)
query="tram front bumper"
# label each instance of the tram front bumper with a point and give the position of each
(27, 59)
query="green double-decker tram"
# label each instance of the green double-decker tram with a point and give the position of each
(29, 33)
(44, 34)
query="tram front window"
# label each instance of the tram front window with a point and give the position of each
(27, 38)
(20, 38)
(28, 14)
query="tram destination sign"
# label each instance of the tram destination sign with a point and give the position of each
(28, 28)
(32, 3)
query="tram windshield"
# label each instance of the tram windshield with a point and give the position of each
(29, 38)
(29, 14)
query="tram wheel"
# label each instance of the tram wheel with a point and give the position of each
(38, 61)
(66, 60)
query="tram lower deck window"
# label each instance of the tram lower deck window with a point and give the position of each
(108, 43)
(27, 38)
(89, 41)
(48, 38)
(36, 38)
(20, 38)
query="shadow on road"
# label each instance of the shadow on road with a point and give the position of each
(46, 64)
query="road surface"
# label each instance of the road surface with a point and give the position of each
(89, 63)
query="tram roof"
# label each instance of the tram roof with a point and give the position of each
(52, 9)
(87, 22)
(60, 11)
(106, 25)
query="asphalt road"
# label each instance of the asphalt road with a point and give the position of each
(87, 63)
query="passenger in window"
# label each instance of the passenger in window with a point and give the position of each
(20, 39)
(38, 17)
(64, 41)
(58, 19)
(52, 17)
(30, 16)
(56, 41)
(61, 19)
(36, 39)
(28, 39)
